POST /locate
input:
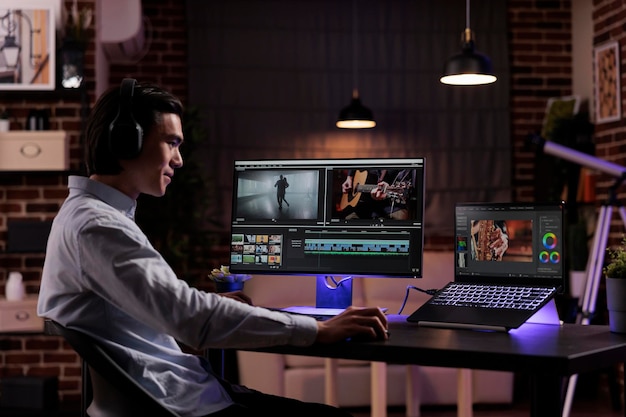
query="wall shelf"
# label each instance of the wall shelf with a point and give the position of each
(34, 150)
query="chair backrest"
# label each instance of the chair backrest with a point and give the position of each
(115, 393)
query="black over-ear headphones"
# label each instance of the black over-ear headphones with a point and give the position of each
(125, 134)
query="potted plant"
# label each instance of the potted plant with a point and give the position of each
(615, 274)
(225, 281)
(75, 36)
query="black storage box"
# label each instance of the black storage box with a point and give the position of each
(29, 392)
(27, 236)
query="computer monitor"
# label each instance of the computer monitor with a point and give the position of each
(301, 217)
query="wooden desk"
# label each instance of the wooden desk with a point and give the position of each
(547, 353)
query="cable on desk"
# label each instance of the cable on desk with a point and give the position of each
(431, 291)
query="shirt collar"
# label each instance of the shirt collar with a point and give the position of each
(109, 195)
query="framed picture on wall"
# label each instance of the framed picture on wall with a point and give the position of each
(27, 45)
(607, 85)
(558, 108)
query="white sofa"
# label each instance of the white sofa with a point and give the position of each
(304, 377)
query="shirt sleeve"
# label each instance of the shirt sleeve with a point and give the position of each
(120, 265)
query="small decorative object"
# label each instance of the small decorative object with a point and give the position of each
(74, 42)
(14, 290)
(37, 120)
(615, 273)
(225, 281)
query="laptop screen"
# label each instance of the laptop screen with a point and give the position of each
(510, 243)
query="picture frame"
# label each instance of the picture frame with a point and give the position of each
(27, 45)
(607, 83)
(558, 108)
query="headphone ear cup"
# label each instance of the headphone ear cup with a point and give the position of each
(125, 134)
(125, 140)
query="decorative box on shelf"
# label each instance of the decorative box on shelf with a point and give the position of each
(20, 316)
(34, 150)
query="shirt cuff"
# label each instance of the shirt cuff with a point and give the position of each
(306, 330)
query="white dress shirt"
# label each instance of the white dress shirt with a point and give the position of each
(103, 277)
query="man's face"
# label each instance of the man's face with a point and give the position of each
(152, 171)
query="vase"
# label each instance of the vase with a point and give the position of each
(14, 289)
(72, 64)
(616, 304)
(222, 286)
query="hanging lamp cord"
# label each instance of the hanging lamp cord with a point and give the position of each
(467, 33)
(355, 72)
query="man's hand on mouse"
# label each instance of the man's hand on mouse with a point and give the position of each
(362, 323)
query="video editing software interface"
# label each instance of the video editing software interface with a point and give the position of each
(523, 242)
(334, 216)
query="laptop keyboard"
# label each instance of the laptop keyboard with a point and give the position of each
(492, 296)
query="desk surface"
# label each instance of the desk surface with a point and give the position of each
(539, 348)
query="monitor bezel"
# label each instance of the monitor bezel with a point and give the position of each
(335, 163)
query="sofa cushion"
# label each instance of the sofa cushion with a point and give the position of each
(280, 291)
(353, 385)
(297, 361)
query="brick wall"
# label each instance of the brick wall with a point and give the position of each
(541, 67)
(610, 138)
(39, 195)
(540, 48)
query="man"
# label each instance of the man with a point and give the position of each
(281, 187)
(377, 193)
(101, 276)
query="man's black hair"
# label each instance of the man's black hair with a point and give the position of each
(149, 102)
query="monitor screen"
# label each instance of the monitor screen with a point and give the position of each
(514, 243)
(354, 217)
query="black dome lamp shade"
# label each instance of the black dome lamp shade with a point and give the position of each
(469, 67)
(355, 115)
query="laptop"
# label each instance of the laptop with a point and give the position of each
(508, 268)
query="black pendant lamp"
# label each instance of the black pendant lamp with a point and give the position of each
(469, 67)
(355, 115)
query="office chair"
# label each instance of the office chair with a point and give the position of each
(109, 387)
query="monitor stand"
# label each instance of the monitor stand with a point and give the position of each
(332, 296)
(331, 292)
